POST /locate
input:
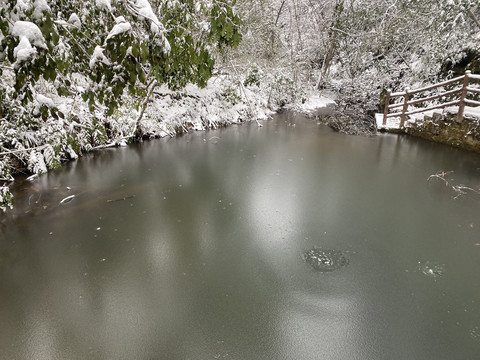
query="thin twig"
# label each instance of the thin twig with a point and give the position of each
(21, 150)
(245, 93)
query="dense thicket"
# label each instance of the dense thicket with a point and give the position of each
(98, 54)
(357, 47)
(95, 53)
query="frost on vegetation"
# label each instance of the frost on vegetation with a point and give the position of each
(23, 5)
(44, 100)
(36, 163)
(30, 31)
(39, 7)
(28, 34)
(75, 21)
(104, 4)
(98, 56)
(24, 50)
(119, 28)
(6, 198)
(144, 10)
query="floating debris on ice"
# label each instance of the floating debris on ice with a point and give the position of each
(325, 260)
(475, 333)
(67, 199)
(431, 269)
(32, 177)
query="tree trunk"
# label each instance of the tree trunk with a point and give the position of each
(273, 35)
(138, 130)
(332, 35)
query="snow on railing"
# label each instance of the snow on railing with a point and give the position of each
(463, 90)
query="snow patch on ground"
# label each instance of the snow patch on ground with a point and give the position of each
(316, 104)
(394, 122)
(391, 123)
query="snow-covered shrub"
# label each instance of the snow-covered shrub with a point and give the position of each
(231, 95)
(253, 77)
(283, 90)
(6, 198)
(76, 74)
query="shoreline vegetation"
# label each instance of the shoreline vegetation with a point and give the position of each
(79, 76)
(224, 101)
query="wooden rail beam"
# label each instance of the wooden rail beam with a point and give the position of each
(403, 117)
(407, 94)
(399, 114)
(463, 95)
(387, 103)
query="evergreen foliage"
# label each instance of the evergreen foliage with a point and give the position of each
(100, 52)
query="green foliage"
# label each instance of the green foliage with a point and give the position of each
(173, 49)
(230, 94)
(253, 77)
(6, 198)
(95, 56)
(283, 90)
(224, 25)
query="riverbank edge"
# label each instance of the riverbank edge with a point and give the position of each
(170, 113)
(442, 127)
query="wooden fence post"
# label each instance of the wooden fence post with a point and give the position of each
(387, 103)
(463, 95)
(405, 107)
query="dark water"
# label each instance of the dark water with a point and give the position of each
(280, 242)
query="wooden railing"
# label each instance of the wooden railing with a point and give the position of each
(407, 95)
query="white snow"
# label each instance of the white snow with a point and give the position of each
(37, 163)
(120, 19)
(118, 29)
(67, 199)
(98, 56)
(315, 104)
(43, 100)
(39, 7)
(24, 50)
(392, 122)
(23, 5)
(75, 21)
(470, 111)
(30, 31)
(104, 4)
(145, 10)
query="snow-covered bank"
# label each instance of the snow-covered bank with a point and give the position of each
(220, 103)
(315, 105)
(440, 126)
(43, 144)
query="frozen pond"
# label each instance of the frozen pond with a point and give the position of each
(287, 241)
